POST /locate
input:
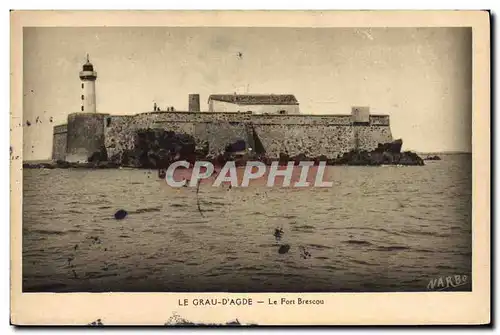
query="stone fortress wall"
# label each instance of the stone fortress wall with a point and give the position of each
(311, 135)
(59, 142)
(85, 136)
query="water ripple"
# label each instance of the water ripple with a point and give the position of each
(377, 229)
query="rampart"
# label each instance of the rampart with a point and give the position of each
(85, 136)
(59, 142)
(272, 135)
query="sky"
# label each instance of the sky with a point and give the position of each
(421, 77)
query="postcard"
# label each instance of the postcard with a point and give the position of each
(250, 168)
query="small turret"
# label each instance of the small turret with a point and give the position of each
(194, 102)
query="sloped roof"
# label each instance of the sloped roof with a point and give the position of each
(256, 99)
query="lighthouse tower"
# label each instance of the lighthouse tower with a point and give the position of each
(88, 77)
(85, 136)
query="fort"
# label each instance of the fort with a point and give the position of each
(267, 125)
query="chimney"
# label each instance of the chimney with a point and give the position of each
(194, 102)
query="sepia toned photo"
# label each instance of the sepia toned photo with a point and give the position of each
(246, 160)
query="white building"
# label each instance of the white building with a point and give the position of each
(253, 103)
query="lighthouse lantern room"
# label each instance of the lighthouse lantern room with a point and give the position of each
(88, 77)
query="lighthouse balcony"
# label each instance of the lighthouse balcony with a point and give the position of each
(88, 75)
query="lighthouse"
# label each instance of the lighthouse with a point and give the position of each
(88, 77)
(85, 128)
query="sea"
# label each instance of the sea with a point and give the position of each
(376, 229)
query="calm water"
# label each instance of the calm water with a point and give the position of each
(376, 229)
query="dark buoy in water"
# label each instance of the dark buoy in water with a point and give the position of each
(121, 214)
(162, 174)
(284, 249)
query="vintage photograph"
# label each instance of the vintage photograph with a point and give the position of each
(246, 159)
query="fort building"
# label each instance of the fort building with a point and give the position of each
(269, 124)
(253, 103)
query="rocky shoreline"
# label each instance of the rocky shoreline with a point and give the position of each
(432, 158)
(384, 154)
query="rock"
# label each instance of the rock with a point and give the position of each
(121, 214)
(432, 158)
(98, 156)
(391, 147)
(384, 154)
(158, 148)
(85, 165)
(284, 249)
(106, 165)
(62, 164)
(410, 158)
(38, 166)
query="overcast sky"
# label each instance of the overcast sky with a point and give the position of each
(421, 77)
